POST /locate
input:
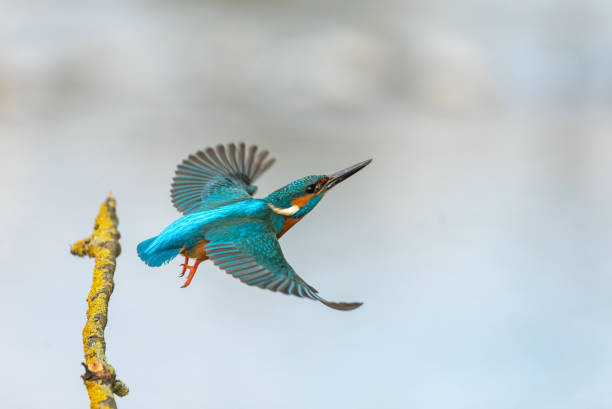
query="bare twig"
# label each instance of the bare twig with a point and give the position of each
(100, 378)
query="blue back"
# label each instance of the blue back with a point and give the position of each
(189, 230)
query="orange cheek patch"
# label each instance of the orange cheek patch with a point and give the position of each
(302, 201)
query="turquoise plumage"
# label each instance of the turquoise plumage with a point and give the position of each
(238, 233)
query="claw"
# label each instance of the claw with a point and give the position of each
(184, 265)
(192, 270)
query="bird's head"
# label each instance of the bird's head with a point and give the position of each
(301, 196)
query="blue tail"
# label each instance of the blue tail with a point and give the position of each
(152, 255)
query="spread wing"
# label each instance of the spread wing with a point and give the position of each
(214, 177)
(255, 258)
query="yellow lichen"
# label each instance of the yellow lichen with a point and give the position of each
(100, 396)
(100, 379)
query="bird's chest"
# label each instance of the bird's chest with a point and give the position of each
(288, 223)
(282, 223)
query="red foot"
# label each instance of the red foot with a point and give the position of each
(184, 266)
(192, 270)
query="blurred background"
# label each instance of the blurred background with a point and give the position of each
(478, 239)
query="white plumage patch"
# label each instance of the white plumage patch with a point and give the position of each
(289, 211)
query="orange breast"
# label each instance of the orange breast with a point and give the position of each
(289, 223)
(198, 251)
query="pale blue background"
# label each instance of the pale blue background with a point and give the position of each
(479, 238)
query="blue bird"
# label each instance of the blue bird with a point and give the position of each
(239, 234)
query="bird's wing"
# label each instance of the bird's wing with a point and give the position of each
(213, 177)
(254, 257)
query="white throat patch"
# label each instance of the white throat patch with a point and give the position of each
(289, 211)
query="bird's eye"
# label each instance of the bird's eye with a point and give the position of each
(310, 188)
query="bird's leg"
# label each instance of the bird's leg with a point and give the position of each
(184, 266)
(192, 271)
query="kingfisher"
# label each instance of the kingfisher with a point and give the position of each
(223, 223)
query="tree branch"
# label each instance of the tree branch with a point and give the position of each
(100, 378)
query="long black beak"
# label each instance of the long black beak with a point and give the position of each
(343, 174)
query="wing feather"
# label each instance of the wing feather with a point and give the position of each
(250, 159)
(216, 176)
(256, 259)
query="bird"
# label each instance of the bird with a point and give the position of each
(222, 222)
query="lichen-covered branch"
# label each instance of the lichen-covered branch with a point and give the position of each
(100, 378)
